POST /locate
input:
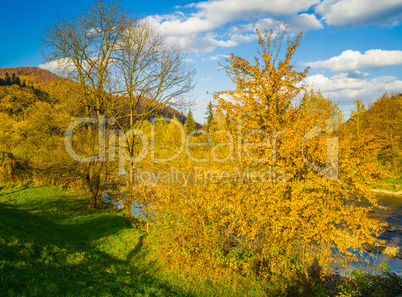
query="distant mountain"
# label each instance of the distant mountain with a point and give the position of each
(44, 81)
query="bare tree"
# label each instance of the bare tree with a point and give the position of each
(124, 69)
(155, 77)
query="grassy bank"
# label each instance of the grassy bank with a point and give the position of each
(392, 183)
(53, 244)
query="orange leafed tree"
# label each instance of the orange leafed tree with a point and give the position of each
(313, 210)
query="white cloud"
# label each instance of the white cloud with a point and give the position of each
(211, 58)
(196, 43)
(358, 75)
(360, 12)
(342, 87)
(207, 42)
(266, 23)
(296, 23)
(213, 14)
(241, 28)
(351, 60)
(194, 32)
(59, 65)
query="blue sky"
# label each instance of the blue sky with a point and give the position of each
(354, 47)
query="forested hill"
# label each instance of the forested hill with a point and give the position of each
(50, 87)
(31, 75)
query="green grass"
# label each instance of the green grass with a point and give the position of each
(53, 244)
(390, 183)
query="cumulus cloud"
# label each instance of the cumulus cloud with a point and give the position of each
(342, 87)
(266, 23)
(59, 65)
(360, 12)
(194, 32)
(207, 42)
(296, 23)
(241, 28)
(210, 15)
(352, 60)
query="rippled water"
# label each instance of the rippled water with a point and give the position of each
(393, 216)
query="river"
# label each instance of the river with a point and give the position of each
(393, 237)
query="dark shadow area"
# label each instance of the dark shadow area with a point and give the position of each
(137, 248)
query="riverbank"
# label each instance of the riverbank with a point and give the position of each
(386, 192)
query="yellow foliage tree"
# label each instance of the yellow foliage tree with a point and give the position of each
(291, 192)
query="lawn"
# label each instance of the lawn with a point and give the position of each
(53, 244)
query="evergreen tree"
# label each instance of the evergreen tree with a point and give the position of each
(210, 116)
(189, 125)
(14, 79)
(8, 79)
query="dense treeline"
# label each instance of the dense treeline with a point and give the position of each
(377, 132)
(13, 80)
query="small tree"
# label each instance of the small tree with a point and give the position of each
(358, 114)
(209, 116)
(264, 90)
(189, 125)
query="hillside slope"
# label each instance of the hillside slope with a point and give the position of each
(51, 84)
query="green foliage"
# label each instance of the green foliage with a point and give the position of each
(366, 285)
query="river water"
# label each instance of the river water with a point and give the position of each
(393, 237)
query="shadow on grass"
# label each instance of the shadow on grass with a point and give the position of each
(40, 256)
(12, 190)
